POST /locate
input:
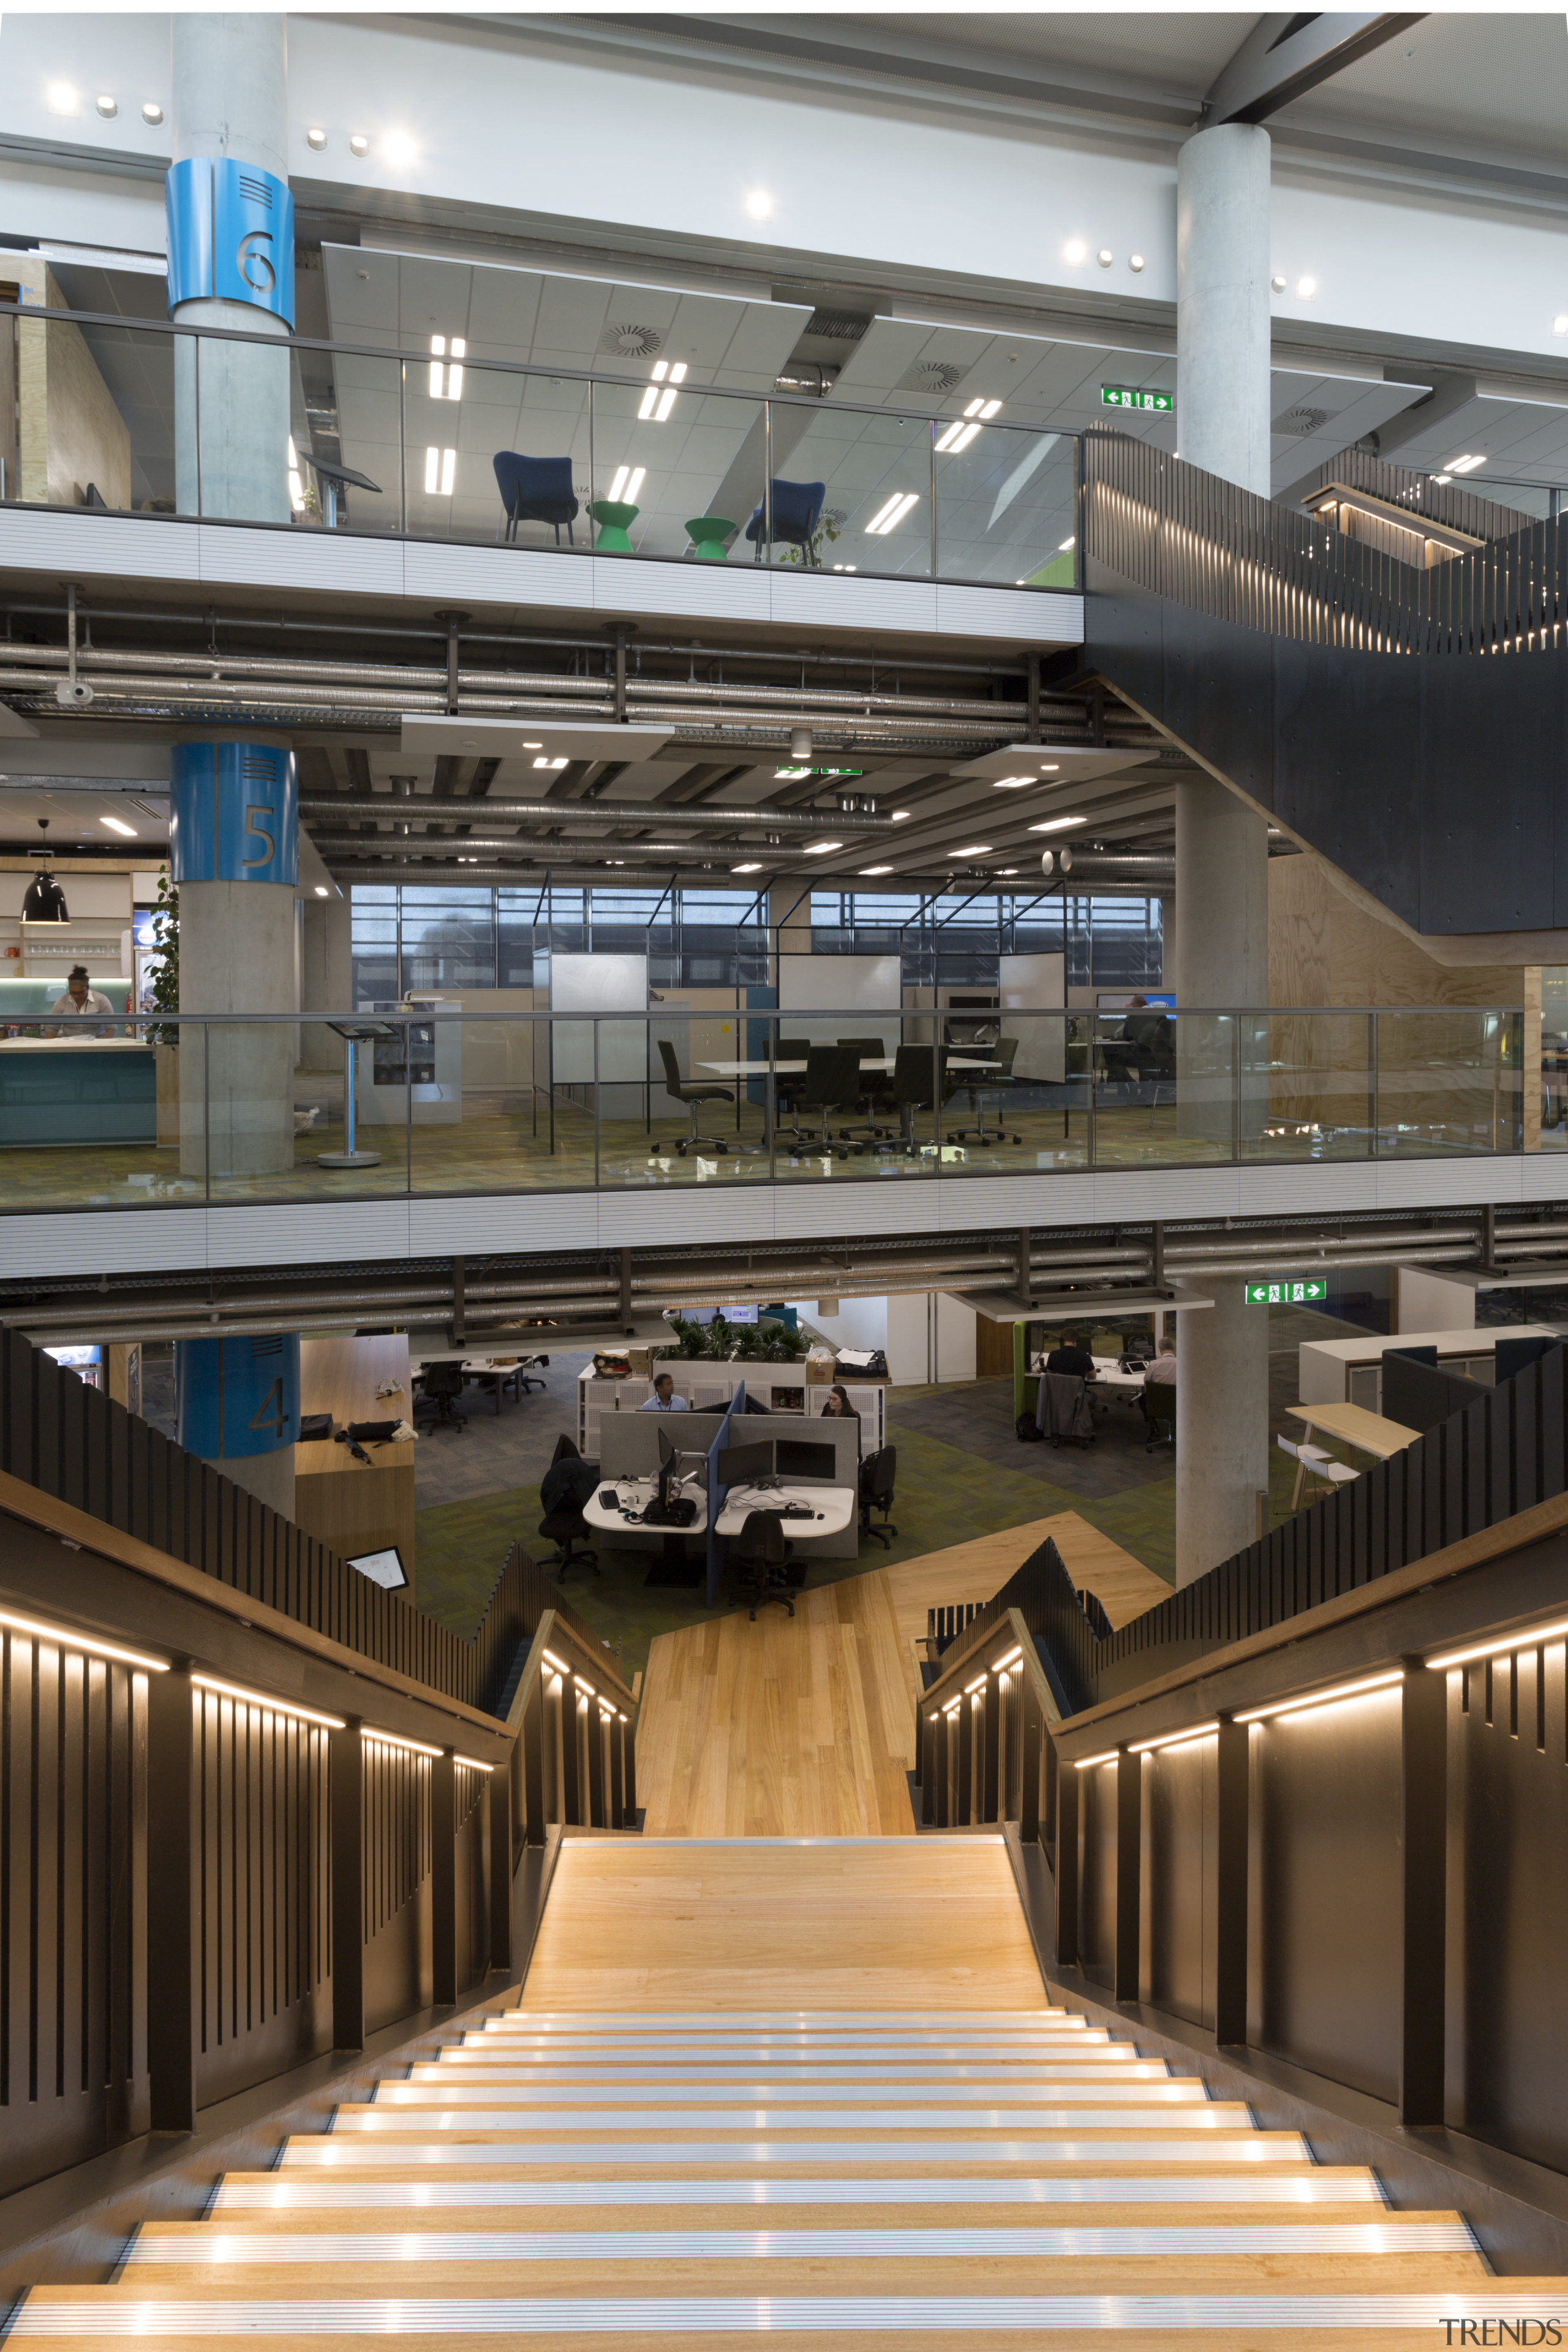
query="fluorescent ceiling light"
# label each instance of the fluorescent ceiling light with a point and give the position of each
(753, 866)
(320, 890)
(984, 409)
(88, 1642)
(446, 382)
(973, 849)
(114, 824)
(821, 848)
(1463, 464)
(888, 517)
(876, 869)
(901, 816)
(1324, 1697)
(1057, 823)
(626, 482)
(1009, 869)
(1010, 783)
(1067, 545)
(548, 762)
(958, 437)
(674, 369)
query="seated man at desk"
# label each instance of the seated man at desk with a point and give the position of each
(1071, 1356)
(664, 1398)
(81, 999)
(1163, 1366)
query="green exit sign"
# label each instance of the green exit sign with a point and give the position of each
(1124, 395)
(1288, 1290)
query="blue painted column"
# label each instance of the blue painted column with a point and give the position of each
(231, 264)
(234, 852)
(236, 1402)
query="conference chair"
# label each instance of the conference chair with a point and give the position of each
(978, 1084)
(535, 489)
(832, 1083)
(873, 1094)
(759, 1553)
(693, 1097)
(440, 1384)
(796, 511)
(1159, 1403)
(913, 1089)
(877, 1473)
(565, 1487)
(789, 1085)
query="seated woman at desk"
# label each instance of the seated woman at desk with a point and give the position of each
(837, 1406)
(81, 999)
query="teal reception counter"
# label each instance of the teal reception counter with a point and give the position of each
(78, 1090)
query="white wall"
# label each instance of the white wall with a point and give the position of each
(927, 1336)
(1427, 1302)
(859, 1323)
(92, 895)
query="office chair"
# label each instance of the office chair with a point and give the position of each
(440, 1384)
(913, 1089)
(693, 1097)
(873, 1096)
(978, 1084)
(877, 1476)
(535, 489)
(1159, 1408)
(797, 509)
(565, 1487)
(832, 1083)
(788, 1089)
(760, 1552)
(529, 1379)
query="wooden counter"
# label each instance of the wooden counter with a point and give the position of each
(352, 1506)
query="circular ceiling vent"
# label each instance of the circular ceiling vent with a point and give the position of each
(1300, 421)
(631, 342)
(938, 375)
(837, 515)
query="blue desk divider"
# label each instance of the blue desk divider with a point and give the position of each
(716, 1493)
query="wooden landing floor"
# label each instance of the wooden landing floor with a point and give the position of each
(803, 1726)
(929, 1922)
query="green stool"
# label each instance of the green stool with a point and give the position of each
(613, 517)
(708, 533)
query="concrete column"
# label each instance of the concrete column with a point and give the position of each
(1222, 1426)
(1221, 952)
(231, 399)
(234, 852)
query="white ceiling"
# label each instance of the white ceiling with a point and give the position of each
(1525, 440)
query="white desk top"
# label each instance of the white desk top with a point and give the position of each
(835, 1507)
(793, 1069)
(636, 1494)
(1107, 1376)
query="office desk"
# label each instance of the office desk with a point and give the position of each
(637, 1493)
(1113, 1382)
(499, 1372)
(352, 1505)
(880, 1062)
(835, 1507)
(1354, 1425)
(76, 1090)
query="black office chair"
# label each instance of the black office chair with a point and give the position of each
(759, 1553)
(693, 1097)
(789, 1085)
(978, 1084)
(877, 1473)
(528, 1379)
(1159, 1404)
(832, 1083)
(913, 1090)
(873, 1099)
(565, 1487)
(440, 1385)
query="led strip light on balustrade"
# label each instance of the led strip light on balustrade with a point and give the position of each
(1511, 1642)
(65, 1639)
(395, 1739)
(273, 1706)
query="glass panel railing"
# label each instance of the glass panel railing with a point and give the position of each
(1320, 1100)
(677, 471)
(1007, 505)
(1449, 1081)
(345, 442)
(98, 1114)
(506, 457)
(88, 418)
(850, 489)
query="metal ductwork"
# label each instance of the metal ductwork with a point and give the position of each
(709, 816)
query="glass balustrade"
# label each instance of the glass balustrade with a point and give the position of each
(135, 1111)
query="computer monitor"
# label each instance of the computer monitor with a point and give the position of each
(797, 1459)
(666, 1451)
(742, 1465)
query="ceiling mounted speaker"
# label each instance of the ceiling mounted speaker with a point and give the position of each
(632, 342)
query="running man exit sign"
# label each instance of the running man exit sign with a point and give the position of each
(1288, 1290)
(1123, 396)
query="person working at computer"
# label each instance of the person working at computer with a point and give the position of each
(838, 1407)
(664, 1398)
(1071, 1357)
(1163, 1366)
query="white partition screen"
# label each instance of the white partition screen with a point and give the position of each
(1032, 983)
(601, 984)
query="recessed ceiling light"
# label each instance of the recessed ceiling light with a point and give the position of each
(1135, 263)
(901, 816)
(973, 849)
(958, 437)
(398, 148)
(533, 747)
(1075, 252)
(1105, 257)
(624, 484)
(759, 204)
(1306, 287)
(1049, 767)
(358, 143)
(821, 848)
(152, 112)
(316, 139)
(62, 99)
(1463, 464)
(1010, 783)
(321, 890)
(1277, 285)
(754, 867)
(1057, 823)
(1560, 325)
(876, 869)
(550, 764)
(888, 517)
(107, 107)
(115, 825)
(1009, 869)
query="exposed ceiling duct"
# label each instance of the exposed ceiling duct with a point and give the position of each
(703, 816)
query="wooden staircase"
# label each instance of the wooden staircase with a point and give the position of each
(906, 2172)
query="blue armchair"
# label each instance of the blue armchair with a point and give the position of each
(797, 511)
(536, 490)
